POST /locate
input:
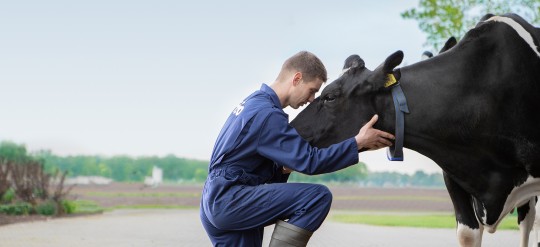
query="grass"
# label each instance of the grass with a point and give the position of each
(392, 198)
(417, 220)
(142, 194)
(89, 207)
(151, 206)
(86, 207)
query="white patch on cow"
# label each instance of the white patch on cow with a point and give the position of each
(344, 71)
(518, 196)
(468, 236)
(526, 225)
(484, 218)
(519, 29)
(536, 225)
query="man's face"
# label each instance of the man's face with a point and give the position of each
(305, 92)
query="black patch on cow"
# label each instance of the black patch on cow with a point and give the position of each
(462, 202)
(451, 42)
(523, 211)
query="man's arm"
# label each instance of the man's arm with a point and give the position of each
(280, 142)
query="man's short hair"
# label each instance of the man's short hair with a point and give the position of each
(307, 63)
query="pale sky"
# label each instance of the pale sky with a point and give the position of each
(142, 78)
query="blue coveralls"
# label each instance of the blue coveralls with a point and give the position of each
(245, 189)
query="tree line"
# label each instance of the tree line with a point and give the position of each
(126, 168)
(361, 176)
(177, 169)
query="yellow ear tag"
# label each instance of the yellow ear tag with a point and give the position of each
(391, 80)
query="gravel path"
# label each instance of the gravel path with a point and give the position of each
(182, 228)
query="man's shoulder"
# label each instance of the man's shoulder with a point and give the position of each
(261, 102)
(256, 104)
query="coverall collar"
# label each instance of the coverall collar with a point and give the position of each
(275, 99)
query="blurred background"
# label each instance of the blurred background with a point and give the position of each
(99, 86)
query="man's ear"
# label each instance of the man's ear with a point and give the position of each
(383, 75)
(297, 78)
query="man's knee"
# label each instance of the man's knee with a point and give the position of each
(325, 194)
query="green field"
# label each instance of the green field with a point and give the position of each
(415, 220)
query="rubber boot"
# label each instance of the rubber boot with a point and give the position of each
(289, 235)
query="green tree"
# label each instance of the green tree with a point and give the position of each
(378, 179)
(200, 174)
(14, 152)
(441, 19)
(420, 178)
(104, 170)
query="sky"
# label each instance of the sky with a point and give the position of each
(141, 78)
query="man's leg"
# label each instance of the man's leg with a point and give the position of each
(223, 238)
(309, 204)
(252, 207)
(289, 235)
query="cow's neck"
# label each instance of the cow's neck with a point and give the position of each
(430, 125)
(419, 93)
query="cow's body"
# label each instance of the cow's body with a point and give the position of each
(474, 110)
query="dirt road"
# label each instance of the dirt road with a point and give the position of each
(164, 228)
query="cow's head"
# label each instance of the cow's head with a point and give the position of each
(347, 103)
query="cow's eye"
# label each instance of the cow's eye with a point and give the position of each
(329, 98)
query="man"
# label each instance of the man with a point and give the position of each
(254, 154)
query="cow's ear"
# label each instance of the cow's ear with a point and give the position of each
(451, 42)
(353, 62)
(383, 75)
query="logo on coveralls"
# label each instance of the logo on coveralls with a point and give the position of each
(238, 109)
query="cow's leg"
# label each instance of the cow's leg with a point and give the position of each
(536, 225)
(526, 216)
(469, 231)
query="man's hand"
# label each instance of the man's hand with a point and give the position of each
(373, 139)
(286, 170)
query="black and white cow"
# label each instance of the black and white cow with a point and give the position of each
(474, 110)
